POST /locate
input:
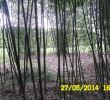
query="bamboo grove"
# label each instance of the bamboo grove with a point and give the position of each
(62, 15)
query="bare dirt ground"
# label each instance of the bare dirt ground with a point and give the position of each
(52, 93)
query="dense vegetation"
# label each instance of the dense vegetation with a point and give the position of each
(33, 32)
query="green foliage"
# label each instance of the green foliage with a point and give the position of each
(1, 55)
(1, 39)
(78, 2)
(1, 3)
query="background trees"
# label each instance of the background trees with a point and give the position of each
(68, 27)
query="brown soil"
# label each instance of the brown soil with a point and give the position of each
(52, 93)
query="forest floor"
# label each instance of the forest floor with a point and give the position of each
(52, 93)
